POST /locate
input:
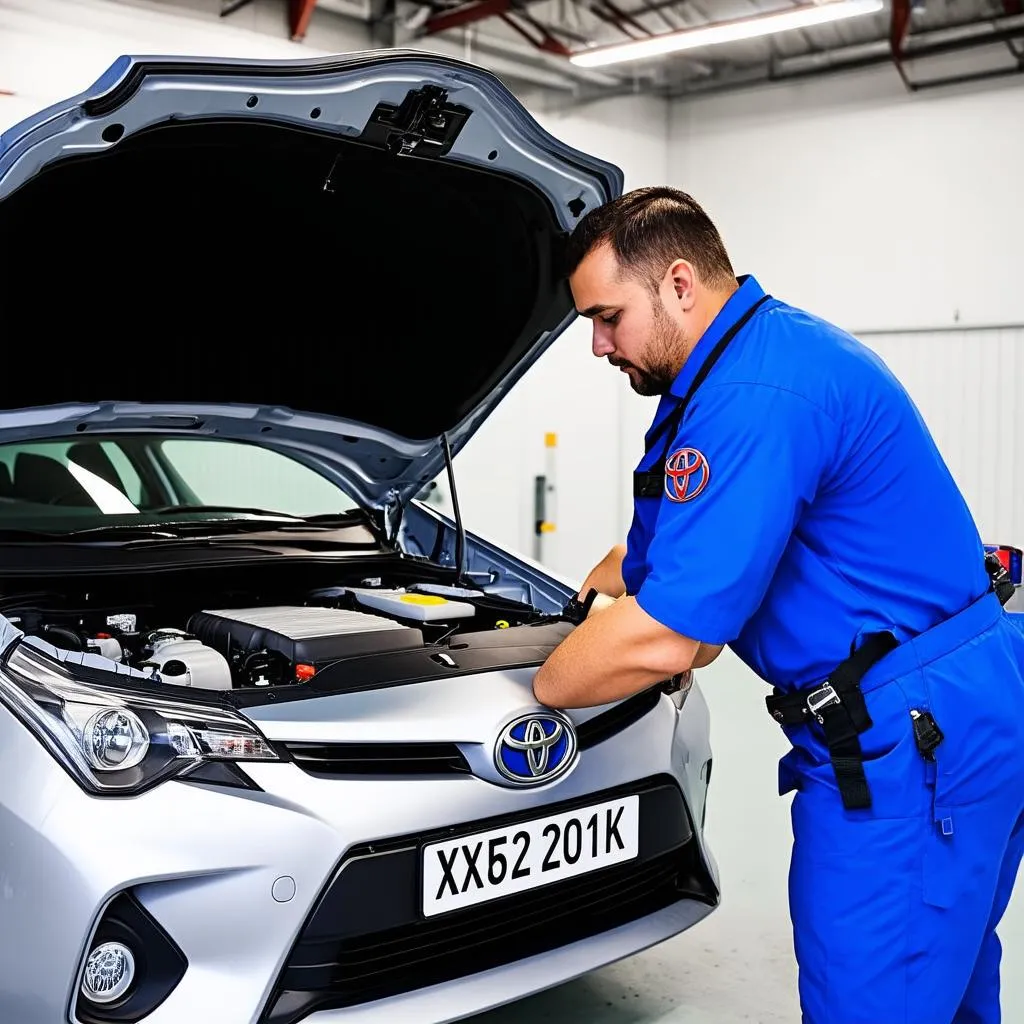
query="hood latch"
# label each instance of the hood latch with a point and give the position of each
(424, 123)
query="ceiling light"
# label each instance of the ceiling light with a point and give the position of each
(728, 31)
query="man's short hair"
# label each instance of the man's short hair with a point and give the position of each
(648, 229)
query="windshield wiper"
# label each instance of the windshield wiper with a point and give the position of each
(290, 522)
(332, 518)
(241, 510)
(146, 531)
(155, 530)
(176, 529)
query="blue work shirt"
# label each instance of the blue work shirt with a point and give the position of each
(805, 505)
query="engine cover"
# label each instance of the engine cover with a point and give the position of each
(289, 644)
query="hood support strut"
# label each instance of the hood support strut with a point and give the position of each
(460, 530)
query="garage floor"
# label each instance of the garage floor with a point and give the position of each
(737, 965)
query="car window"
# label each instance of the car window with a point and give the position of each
(82, 482)
(226, 473)
(130, 481)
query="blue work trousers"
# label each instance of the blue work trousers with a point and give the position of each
(895, 907)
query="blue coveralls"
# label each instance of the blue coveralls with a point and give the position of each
(804, 507)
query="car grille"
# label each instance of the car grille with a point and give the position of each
(329, 759)
(335, 759)
(366, 939)
(617, 719)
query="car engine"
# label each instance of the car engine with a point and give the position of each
(271, 643)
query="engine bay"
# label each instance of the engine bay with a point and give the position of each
(257, 628)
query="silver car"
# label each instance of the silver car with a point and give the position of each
(269, 750)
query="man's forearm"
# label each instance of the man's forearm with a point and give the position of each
(610, 656)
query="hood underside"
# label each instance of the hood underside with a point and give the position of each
(356, 257)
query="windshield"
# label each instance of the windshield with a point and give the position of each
(81, 484)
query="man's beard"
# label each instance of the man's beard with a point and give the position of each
(664, 358)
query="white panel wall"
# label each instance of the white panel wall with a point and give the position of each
(969, 386)
(888, 212)
(874, 207)
(50, 49)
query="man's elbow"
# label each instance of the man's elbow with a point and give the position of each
(543, 690)
(706, 654)
(669, 655)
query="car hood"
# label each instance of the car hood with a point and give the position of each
(347, 260)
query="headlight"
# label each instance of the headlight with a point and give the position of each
(117, 738)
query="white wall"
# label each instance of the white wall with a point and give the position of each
(888, 212)
(968, 386)
(52, 49)
(877, 208)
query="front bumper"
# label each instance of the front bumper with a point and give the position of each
(299, 903)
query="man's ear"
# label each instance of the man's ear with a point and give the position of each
(680, 283)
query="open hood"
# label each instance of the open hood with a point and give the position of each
(344, 260)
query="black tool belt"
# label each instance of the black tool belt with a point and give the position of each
(838, 706)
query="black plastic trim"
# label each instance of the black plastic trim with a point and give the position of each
(365, 938)
(516, 647)
(617, 719)
(330, 760)
(221, 773)
(159, 963)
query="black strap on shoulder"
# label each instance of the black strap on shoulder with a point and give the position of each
(650, 483)
(840, 710)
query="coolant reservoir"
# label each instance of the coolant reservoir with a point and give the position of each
(175, 657)
(406, 605)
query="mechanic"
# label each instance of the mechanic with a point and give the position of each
(792, 505)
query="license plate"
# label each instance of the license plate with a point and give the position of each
(488, 865)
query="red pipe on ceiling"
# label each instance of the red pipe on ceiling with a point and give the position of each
(898, 30)
(299, 13)
(466, 14)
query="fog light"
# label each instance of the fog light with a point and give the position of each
(109, 973)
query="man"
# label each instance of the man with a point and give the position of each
(792, 505)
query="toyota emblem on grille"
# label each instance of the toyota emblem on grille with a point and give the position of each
(535, 748)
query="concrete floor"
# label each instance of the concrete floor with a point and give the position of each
(737, 965)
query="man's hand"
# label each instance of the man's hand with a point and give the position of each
(613, 654)
(606, 576)
(601, 602)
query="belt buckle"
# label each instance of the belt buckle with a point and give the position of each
(823, 697)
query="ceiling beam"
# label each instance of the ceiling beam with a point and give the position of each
(543, 39)
(466, 14)
(230, 6)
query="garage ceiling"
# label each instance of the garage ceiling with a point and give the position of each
(927, 42)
